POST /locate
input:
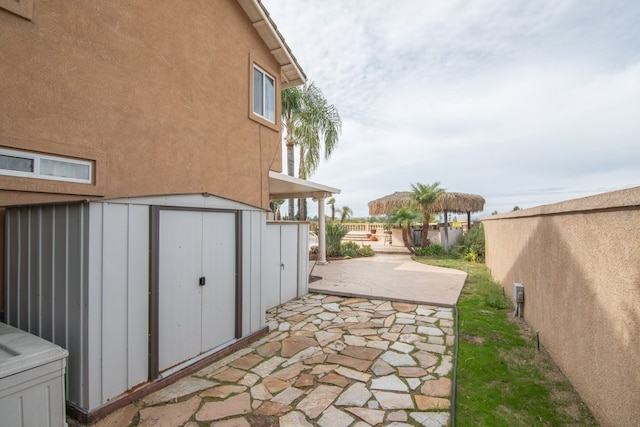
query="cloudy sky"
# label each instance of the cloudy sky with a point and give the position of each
(525, 103)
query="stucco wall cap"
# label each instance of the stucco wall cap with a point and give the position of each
(620, 199)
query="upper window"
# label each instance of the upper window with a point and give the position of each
(34, 165)
(264, 95)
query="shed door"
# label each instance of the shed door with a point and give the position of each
(195, 246)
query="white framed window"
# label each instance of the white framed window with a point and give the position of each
(34, 165)
(264, 94)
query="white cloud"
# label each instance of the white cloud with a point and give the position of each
(525, 103)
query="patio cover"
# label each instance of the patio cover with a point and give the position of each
(283, 186)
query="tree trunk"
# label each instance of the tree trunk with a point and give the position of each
(425, 231)
(302, 209)
(407, 239)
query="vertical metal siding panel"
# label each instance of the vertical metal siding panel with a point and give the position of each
(84, 283)
(255, 246)
(75, 306)
(289, 258)
(114, 300)
(247, 271)
(94, 294)
(251, 250)
(46, 273)
(271, 268)
(60, 276)
(219, 268)
(23, 270)
(12, 266)
(138, 295)
(35, 256)
(180, 266)
(303, 259)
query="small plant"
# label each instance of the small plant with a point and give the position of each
(366, 251)
(471, 245)
(350, 253)
(314, 250)
(334, 234)
(349, 246)
(471, 256)
(430, 250)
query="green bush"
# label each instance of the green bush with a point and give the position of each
(349, 253)
(335, 233)
(430, 250)
(366, 251)
(471, 245)
(349, 247)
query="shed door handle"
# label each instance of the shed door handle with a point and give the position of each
(202, 281)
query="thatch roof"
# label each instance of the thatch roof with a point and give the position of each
(450, 202)
(390, 203)
(458, 203)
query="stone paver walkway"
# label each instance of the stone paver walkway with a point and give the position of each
(328, 361)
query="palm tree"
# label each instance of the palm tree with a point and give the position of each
(345, 213)
(403, 218)
(425, 196)
(311, 123)
(332, 203)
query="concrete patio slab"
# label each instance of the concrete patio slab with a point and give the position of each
(394, 277)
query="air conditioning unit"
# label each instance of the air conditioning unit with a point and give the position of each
(31, 380)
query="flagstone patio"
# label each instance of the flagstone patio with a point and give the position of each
(328, 361)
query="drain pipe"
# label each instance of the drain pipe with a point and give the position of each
(455, 373)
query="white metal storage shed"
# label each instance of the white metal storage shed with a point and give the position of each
(136, 289)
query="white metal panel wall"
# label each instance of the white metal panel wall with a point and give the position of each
(285, 262)
(253, 230)
(303, 259)
(119, 301)
(45, 279)
(288, 262)
(271, 268)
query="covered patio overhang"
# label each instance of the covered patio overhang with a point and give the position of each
(283, 186)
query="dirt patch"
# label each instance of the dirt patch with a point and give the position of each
(472, 339)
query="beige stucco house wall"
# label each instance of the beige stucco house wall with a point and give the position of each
(580, 266)
(157, 96)
(156, 100)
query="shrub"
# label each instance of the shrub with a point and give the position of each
(366, 251)
(349, 246)
(335, 234)
(430, 250)
(471, 245)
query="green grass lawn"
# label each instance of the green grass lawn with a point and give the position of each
(502, 379)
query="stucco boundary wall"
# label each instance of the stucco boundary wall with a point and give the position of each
(579, 262)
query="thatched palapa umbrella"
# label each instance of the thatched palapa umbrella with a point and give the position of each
(446, 203)
(392, 202)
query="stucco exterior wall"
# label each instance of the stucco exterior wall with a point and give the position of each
(157, 95)
(580, 266)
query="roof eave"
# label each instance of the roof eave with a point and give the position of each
(291, 74)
